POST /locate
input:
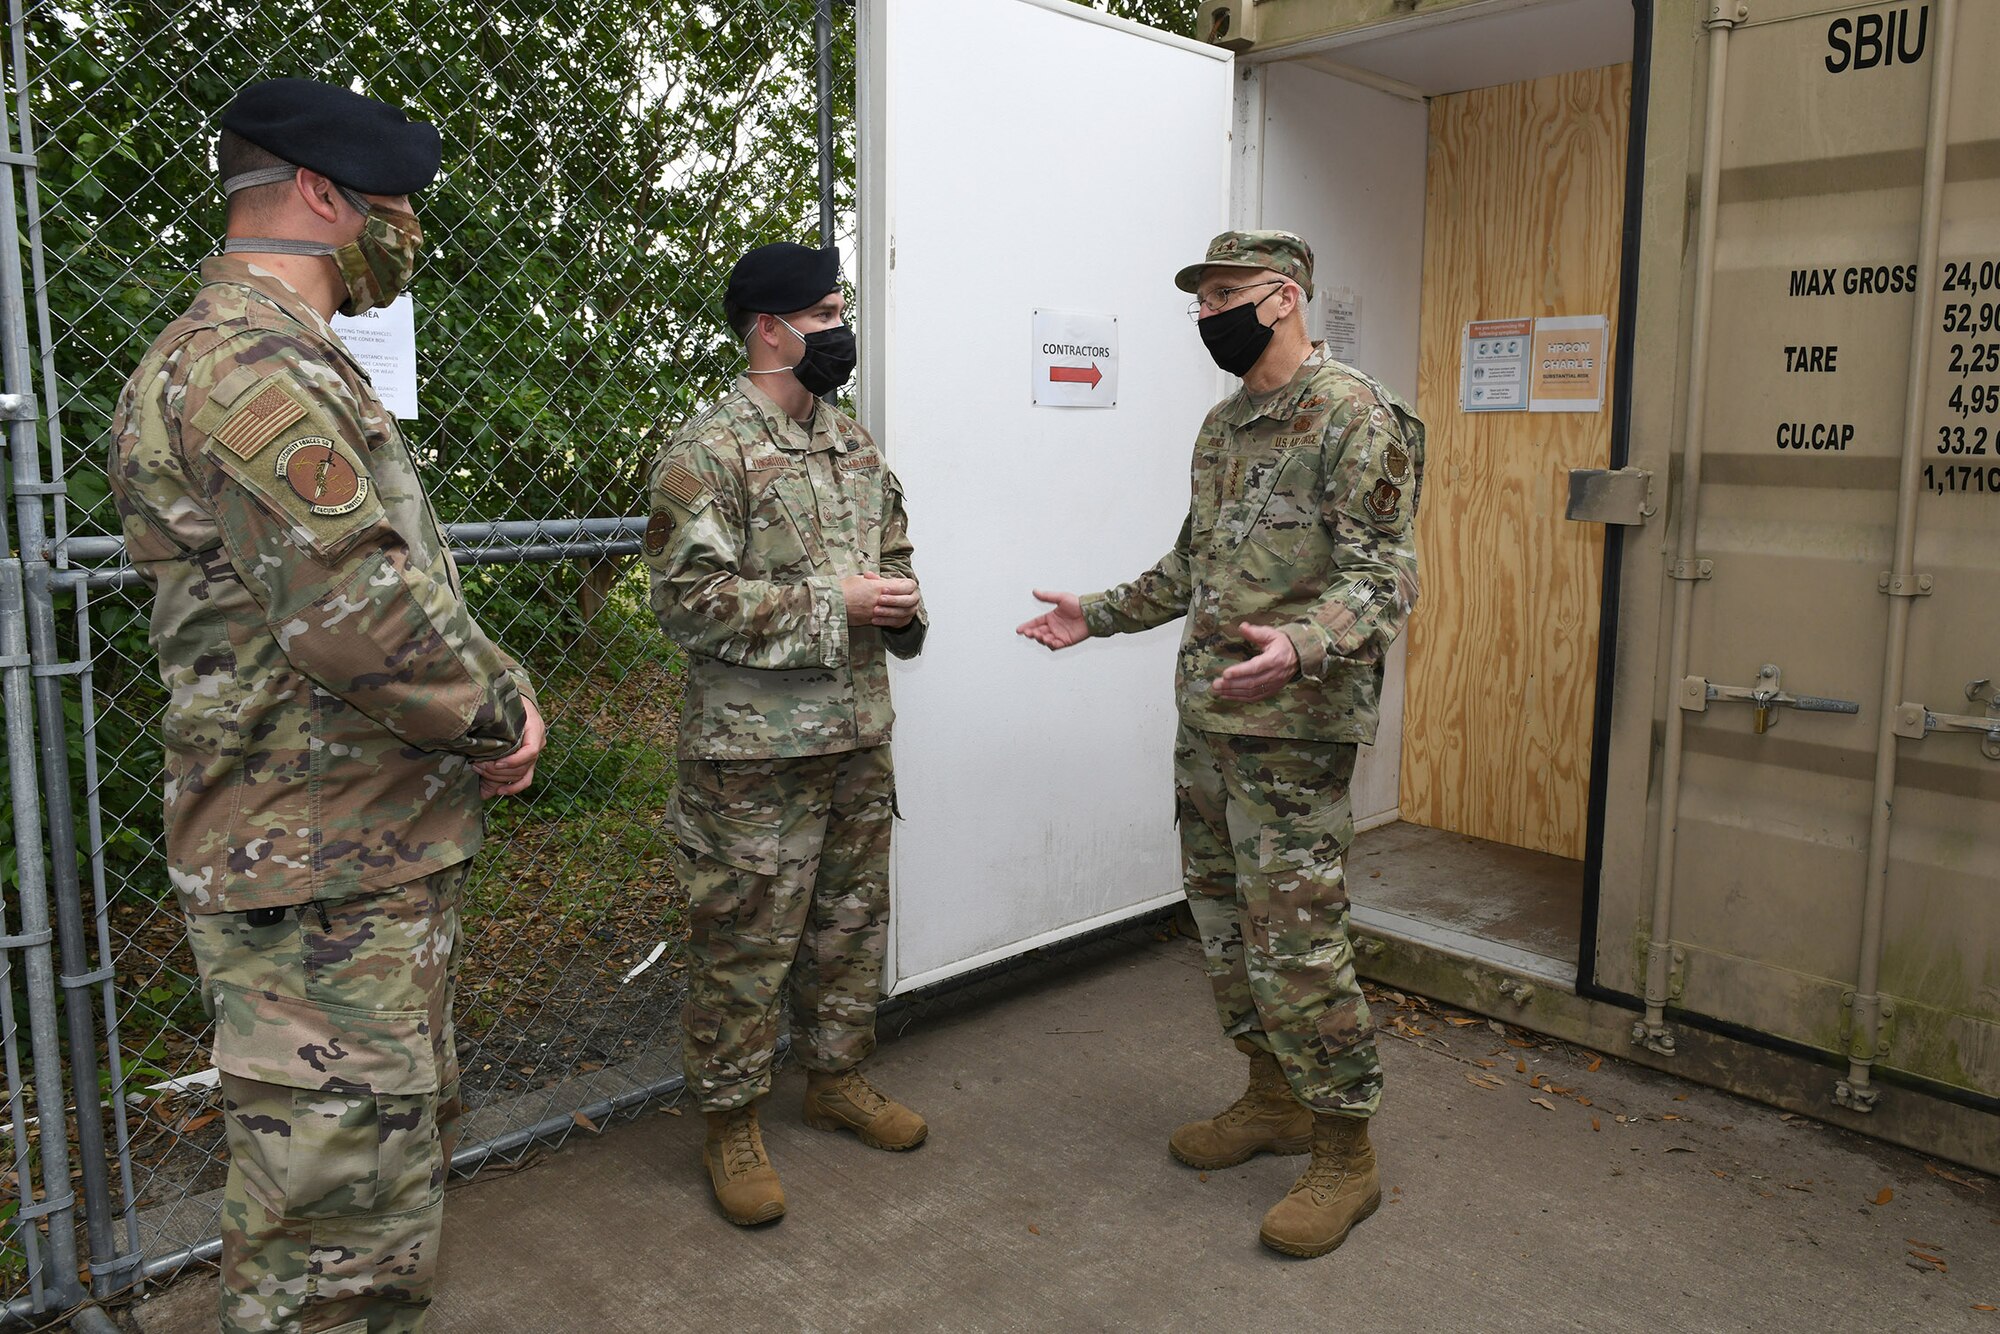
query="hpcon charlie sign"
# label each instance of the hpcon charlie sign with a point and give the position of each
(1569, 364)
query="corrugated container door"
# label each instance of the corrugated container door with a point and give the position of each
(1825, 306)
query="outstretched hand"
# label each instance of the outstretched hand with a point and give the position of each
(1059, 628)
(1265, 674)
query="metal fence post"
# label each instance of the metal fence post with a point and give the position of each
(52, 736)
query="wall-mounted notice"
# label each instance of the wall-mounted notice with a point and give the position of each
(1075, 361)
(1493, 372)
(1342, 322)
(1569, 364)
(384, 341)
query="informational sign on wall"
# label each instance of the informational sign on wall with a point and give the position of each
(384, 341)
(1493, 370)
(1568, 373)
(1075, 360)
(1342, 323)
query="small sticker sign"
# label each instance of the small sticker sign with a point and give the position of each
(1493, 371)
(384, 341)
(1341, 324)
(1074, 360)
(1569, 364)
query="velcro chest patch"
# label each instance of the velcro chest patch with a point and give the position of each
(866, 458)
(270, 411)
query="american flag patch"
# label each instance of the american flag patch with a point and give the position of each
(260, 421)
(683, 485)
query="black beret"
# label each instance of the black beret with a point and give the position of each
(352, 140)
(780, 278)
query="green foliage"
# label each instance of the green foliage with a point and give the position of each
(1176, 16)
(604, 165)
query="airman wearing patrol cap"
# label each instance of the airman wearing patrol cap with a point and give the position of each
(1295, 570)
(781, 562)
(335, 718)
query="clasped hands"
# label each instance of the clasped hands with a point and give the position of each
(1260, 676)
(875, 600)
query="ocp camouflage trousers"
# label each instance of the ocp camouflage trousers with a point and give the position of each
(786, 865)
(340, 1091)
(1265, 823)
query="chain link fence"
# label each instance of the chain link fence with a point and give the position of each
(604, 165)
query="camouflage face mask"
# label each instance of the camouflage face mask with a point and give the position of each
(377, 265)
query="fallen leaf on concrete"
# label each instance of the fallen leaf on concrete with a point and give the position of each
(1374, 875)
(672, 1111)
(1204, 1176)
(1520, 1066)
(1486, 1065)
(1559, 1090)
(1886, 1195)
(1585, 1102)
(1463, 1023)
(1982, 1306)
(1595, 1061)
(1032, 1228)
(1933, 1261)
(1927, 1245)
(1669, 1116)
(1789, 1116)
(1484, 1081)
(1679, 1148)
(1680, 1097)
(1516, 1042)
(1804, 1189)
(1954, 1178)
(1719, 1172)
(584, 1121)
(1596, 1124)
(1543, 1102)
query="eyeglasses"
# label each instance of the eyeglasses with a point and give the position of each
(1216, 300)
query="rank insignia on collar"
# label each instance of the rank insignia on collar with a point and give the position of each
(1302, 422)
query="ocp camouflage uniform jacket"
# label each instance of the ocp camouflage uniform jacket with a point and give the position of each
(755, 519)
(327, 686)
(1303, 517)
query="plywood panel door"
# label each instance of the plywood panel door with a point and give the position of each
(1523, 213)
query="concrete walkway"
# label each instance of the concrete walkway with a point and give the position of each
(1046, 1200)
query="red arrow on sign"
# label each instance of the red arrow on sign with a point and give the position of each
(1089, 375)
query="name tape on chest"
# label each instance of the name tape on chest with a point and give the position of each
(260, 421)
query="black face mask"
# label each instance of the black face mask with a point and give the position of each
(1236, 337)
(828, 360)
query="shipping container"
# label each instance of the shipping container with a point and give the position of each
(1692, 750)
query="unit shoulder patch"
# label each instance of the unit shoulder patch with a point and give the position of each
(321, 476)
(259, 421)
(1396, 464)
(1384, 500)
(659, 530)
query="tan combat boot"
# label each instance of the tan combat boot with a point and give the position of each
(1266, 1119)
(846, 1101)
(746, 1185)
(1339, 1189)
